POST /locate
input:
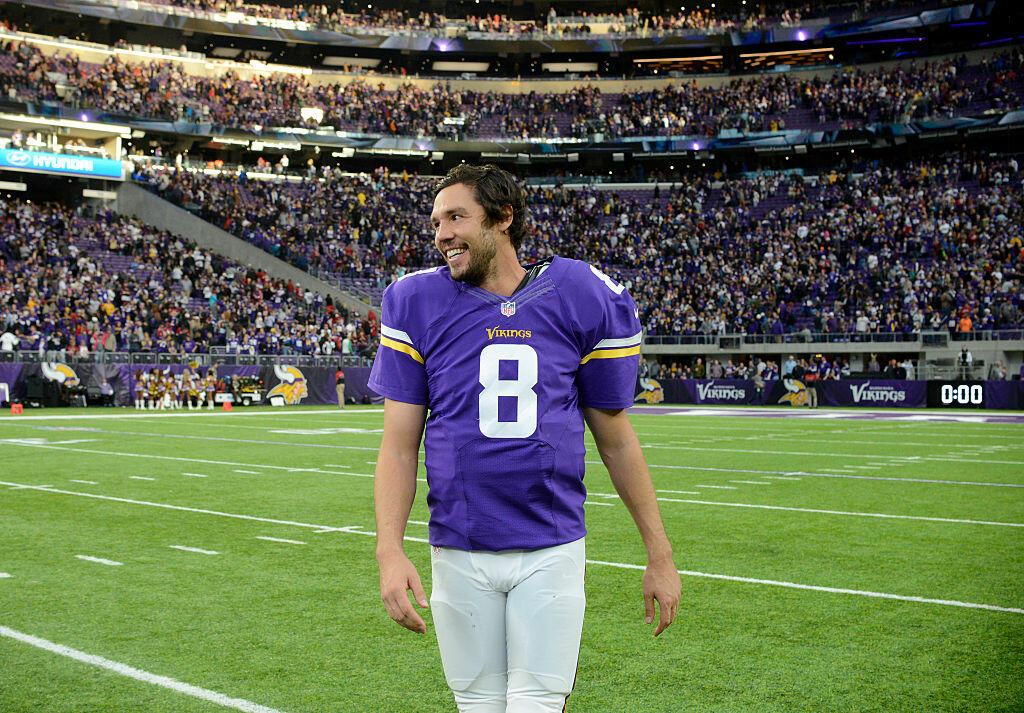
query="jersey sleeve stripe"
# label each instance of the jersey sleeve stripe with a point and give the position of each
(395, 334)
(405, 348)
(611, 353)
(623, 342)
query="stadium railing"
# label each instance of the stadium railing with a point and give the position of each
(920, 339)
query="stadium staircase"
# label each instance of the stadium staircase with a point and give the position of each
(137, 202)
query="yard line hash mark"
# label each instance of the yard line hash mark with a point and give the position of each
(750, 482)
(249, 472)
(680, 492)
(718, 487)
(4, 575)
(140, 477)
(87, 482)
(357, 530)
(196, 475)
(138, 674)
(193, 549)
(99, 560)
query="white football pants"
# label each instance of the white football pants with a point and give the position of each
(509, 625)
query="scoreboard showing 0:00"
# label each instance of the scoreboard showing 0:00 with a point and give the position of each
(956, 394)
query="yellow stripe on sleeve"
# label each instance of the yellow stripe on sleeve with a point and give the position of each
(611, 353)
(401, 347)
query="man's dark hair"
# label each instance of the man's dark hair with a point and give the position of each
(494, 189)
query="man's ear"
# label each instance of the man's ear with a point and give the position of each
(506, 219)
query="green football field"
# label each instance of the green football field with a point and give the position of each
(207, 562)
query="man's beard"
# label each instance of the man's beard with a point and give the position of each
(481, 263)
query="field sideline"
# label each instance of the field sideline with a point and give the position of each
(224, 561)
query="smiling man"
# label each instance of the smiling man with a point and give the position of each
(509, 361)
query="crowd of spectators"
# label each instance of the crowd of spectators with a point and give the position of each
(631, 21)
(164, 90)
(77, 285)
(932, 245)
(367, 225)
(881, 254)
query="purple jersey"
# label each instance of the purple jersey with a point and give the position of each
(504, 379)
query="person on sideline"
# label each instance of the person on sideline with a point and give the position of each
(510, 361)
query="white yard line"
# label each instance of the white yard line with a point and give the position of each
(222, 439)
(844, 512)
(652, 465)
(99, 560)
(196, 475)
(831, 590)
(247, 472)
(358, 530)
(791, 585)
(289, 469)
(780, 477)
(593, 502)
(718, 487)
(4, 575)
(786, 472)
(96, 496)
(193, 549)
(680, 492)
(87, 482)
(280, 539)
(140, 477)
(138, 674)
(875, 456)
(750, 482)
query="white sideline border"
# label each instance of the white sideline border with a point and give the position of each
(359, 530)
(138, 674)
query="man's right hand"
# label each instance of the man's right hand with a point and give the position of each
(398, 575)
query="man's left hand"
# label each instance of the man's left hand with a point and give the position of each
(661, 584)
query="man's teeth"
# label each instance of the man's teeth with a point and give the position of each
(455, 252)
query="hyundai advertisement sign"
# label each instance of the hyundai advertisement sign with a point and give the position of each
(64, 164)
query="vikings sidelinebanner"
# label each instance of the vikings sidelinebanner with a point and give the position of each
(711, 392)
(12, 387)
(873, 393)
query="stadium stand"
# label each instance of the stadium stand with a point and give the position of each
(878, 254)
(78, 286)
(165, 90)
(777, 238)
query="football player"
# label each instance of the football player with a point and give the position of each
(510, 361)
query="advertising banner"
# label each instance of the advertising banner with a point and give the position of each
(873, 393)
(11, 387)
(720, 392)
(64, 164)
(1004, 394)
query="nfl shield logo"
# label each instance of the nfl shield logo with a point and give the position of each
(508, 308)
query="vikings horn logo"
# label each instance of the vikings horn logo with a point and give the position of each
(60, 373)
(292, 386)
(796, 393)
(651, 392)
